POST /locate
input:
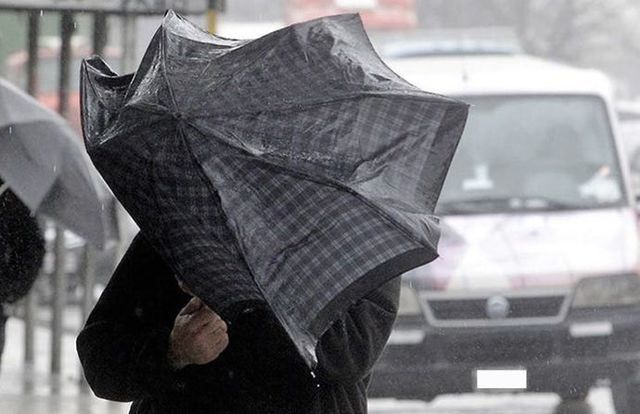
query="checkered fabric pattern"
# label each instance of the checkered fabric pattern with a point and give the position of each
(296, 169)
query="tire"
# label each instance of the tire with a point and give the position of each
(626, 396)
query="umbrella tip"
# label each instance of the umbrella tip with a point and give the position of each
(169, 14)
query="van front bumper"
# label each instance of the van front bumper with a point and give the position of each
(422, 362)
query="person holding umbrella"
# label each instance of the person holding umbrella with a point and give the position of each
(45, 173)
(21, 252)
(43, 163)
(150, 342)
(281, 186)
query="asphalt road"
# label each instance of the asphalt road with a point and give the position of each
(599, 402)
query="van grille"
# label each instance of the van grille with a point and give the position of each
(503, 349)
(535, 308)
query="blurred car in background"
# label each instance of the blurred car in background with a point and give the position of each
(538, 276)
(467, 46)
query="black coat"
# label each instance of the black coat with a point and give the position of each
(123, 349)
(21, 248)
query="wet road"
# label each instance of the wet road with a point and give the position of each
(599, 402)
(523, 404)
(32, 391)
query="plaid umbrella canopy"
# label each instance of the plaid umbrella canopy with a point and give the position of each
(295, 171)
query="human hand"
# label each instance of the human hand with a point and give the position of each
(198, 336)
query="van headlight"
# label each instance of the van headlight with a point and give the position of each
(607, 291)
(409, 304)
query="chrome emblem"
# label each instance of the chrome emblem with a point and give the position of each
(497, 307)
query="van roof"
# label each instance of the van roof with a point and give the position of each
(499, 75)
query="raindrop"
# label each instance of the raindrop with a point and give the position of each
(55, 168)
(41, 12)
(102, 206)
(75, 25)
(10, 130)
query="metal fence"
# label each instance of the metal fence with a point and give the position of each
(100, 10)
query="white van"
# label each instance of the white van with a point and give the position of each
(538, 274)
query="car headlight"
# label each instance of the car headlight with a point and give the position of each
(607, 291)
(409, 304)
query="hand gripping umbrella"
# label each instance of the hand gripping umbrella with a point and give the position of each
(295, 170)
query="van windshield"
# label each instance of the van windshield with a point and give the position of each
(533, 153)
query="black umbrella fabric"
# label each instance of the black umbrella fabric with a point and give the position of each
(295, 170)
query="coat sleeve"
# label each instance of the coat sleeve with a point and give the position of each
(123, 359)
(349, 348)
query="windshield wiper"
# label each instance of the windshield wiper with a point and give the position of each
(502, 204)
(473, 205)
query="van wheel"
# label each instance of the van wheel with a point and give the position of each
(626, 396)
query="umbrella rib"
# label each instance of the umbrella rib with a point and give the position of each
(152, 108)
(163, 68)
(181, 132)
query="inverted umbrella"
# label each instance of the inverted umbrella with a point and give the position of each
(295, 170)
(43, 163)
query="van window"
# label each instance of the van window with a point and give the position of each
(532, 153)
